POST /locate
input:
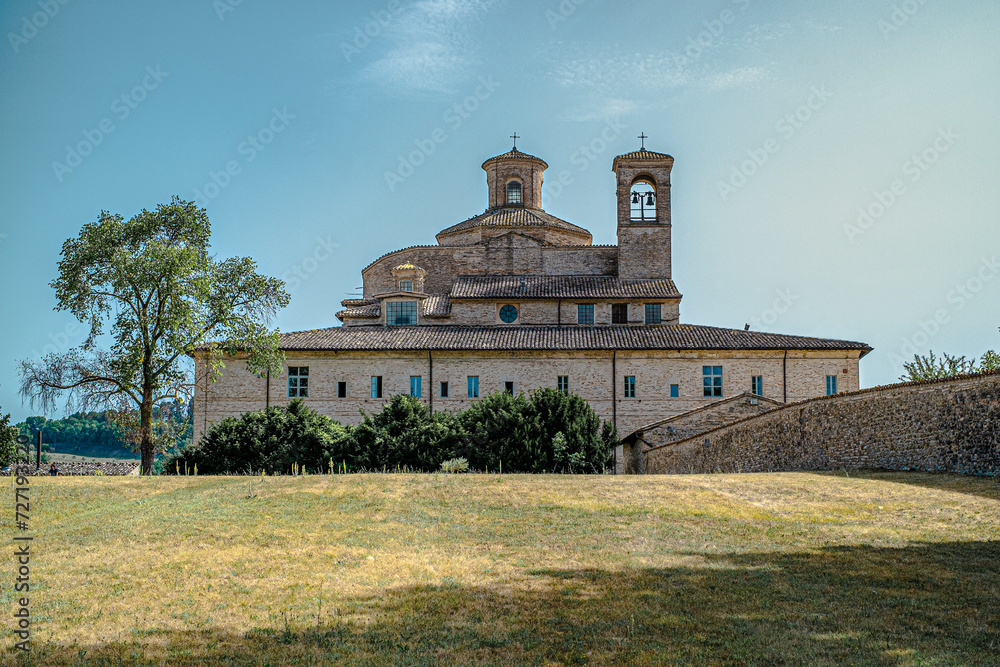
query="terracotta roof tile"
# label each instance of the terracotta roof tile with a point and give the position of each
(484, 338)
(513, 216)
(566, 287)
(514, 153)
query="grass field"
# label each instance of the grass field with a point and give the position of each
(778, 569)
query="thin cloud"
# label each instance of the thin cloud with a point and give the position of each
(430, 46)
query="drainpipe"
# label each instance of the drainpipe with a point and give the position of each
(430, 388)
(784, 378)
(614, 398)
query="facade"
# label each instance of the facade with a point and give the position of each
(515, 299)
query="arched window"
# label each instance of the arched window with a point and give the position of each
(643, 200)
(406, 285)
(513, 192)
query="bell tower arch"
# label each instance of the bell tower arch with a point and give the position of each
(643, 213)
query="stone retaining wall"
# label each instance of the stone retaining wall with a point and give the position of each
(943, 425)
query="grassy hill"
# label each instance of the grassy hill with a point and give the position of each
(781, 569)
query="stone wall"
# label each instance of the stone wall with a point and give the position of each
(944, 425)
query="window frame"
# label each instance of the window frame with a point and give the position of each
(298, 382)
(831, 380)
(514, 307)
(416, 386)
(473, 386)
(342, 389)
(405, 285)
(629, 391)
(398, 305)
(376, 391)
(712, 381)
(582, 308)
(562, 384)
(675, 391)
(657, 309)
(443, 389)
(757, 385)
(621, 317)
(519, 189)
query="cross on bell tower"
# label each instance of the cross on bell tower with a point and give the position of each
(643, 138)
(515, 138)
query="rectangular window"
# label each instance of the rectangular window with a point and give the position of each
(376, 386)
(509, 387)
(415, 382)
(298, 382)
(400, 313)
(619, 313)
(712, 379)
(563, 383)
(585, 313)
(629, 386)
(444, 390)
(473, 386)
(675, 391)
(757, 385)
(341, 390)
(653, 313)
(831, 385)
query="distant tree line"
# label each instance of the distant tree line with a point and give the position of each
(545, 432)
(172, 419)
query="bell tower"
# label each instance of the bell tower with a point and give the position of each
(643, 213)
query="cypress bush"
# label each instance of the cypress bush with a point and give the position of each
(546, 432)
(273, 440)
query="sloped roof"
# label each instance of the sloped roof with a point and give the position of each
(485, 338)
(514, 216)
(651, 155)
(437, 305)
(516, 154)
(547, 287)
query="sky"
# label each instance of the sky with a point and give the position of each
(835, 161)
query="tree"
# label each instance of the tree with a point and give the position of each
(931, 368)
(153, 279)
(9, 449)
(989, 362)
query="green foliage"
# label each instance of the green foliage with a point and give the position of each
(931, 368)
(274, 440)
(989, 362)
(9, 449)
(548, 432)
(405, 434)
(154, 280)
(455, 465)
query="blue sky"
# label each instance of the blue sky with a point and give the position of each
(835, 162)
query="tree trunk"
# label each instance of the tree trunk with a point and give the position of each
(146, 433)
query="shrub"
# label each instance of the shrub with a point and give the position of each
(10, 451)
(272, 440)
(550, 432)
(455, 465)
(405, 434)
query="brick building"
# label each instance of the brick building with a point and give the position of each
(514, 299)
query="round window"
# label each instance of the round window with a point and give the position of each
(508, 313)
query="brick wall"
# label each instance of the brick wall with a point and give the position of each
(945, 425)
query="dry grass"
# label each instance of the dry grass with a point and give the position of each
(879, 569)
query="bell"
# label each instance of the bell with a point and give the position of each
(649, 199)
(635, 197)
